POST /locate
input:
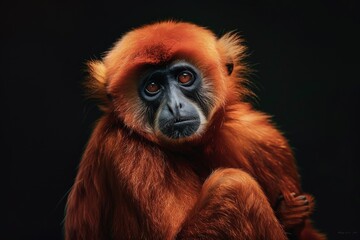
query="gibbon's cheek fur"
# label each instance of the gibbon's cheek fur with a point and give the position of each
(177, 153)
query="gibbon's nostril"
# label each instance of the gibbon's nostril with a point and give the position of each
(174, 107)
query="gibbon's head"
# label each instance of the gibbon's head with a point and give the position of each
(167, 80)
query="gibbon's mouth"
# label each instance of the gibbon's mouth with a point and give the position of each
(177, 128)
(180, 121)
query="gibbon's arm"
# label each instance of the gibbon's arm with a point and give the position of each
(126, 189)
(97, 207)
(266, 155)
(248, 140)
(86, 210)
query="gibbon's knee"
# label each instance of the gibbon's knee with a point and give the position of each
(232, 206)
(231, 180)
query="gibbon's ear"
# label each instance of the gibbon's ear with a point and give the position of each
(96, 83)
(97, 70)
(234, 51)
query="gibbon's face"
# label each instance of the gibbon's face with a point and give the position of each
(169, 88)
(177, 104)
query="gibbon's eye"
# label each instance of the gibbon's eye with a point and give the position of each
(152, 88)
(185, 78)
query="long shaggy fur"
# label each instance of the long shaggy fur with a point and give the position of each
(222, 184)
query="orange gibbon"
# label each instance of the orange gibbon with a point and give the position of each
(178, 152)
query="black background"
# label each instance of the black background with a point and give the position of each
(306, 62)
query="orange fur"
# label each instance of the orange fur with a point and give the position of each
(221, 184)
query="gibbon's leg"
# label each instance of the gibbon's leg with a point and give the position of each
(231, 205)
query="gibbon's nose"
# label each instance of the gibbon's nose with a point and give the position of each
(175, 102)
(174, 105)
